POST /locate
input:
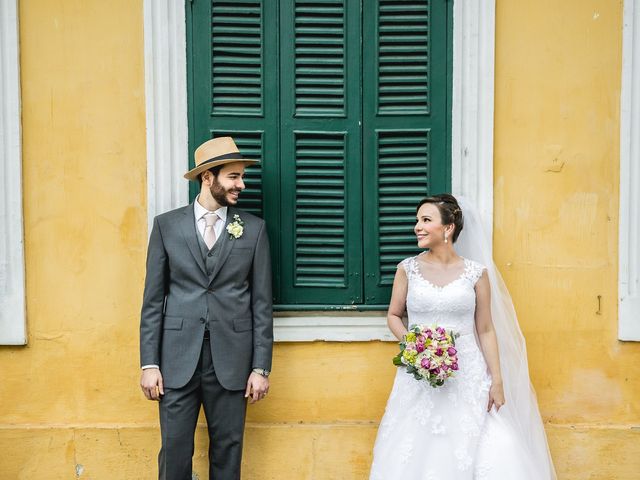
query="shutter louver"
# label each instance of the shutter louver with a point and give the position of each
(320, 209)
(403, 57)
(319, 58)
(403, 173)
(250, 146)
(236, 44)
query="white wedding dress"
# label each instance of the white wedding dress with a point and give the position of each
(446, 433)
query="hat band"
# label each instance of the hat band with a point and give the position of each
(226, 156)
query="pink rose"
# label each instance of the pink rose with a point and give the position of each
(451, 351)
(454, 366)
(445, 367)
(439, 352)
(420, 347)
(425, 363)
(429, 334)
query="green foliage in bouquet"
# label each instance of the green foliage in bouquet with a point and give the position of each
(428, 353)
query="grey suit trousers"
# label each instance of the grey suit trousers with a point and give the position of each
(225, 413)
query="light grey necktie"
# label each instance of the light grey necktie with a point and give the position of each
(209, 234)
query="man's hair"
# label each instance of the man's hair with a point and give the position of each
(214, 170)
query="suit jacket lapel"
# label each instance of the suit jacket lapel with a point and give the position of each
(189, 232)
(225, 247)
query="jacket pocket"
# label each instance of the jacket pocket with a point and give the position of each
(242, 324)
(172, 323)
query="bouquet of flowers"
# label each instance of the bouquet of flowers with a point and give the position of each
(429, 354)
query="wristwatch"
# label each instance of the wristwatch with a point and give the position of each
(262, 371)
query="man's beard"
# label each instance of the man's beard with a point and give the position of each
(219, 193)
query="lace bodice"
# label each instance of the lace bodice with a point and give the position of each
(451, 306)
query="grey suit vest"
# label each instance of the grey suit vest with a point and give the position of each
(210, 258)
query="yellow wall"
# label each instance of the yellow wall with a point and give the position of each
(558, 72)
(70, 400)
(84, 170)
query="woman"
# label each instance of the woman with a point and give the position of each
(484, 421)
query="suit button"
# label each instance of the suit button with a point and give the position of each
(210, 254)
(202, 320)
(210, 290)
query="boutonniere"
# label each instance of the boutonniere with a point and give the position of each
(236, 228)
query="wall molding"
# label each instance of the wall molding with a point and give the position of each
(629, 230)
(473, 99)
(165, 62)
(12, 279)
(472, 135)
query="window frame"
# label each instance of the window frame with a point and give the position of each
(472, 138)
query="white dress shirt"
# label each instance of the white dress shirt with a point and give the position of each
(199, 212)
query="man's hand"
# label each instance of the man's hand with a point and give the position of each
(151, 383)
(257, 387)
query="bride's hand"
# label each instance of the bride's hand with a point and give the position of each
(496, 396)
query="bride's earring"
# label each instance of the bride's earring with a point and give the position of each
(445, 238)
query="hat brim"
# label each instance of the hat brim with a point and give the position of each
(194, 172)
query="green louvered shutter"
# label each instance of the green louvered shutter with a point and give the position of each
(233, 91)
(346, 104)
(320, 141)
(406, 133)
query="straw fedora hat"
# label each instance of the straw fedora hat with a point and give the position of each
(214, 152)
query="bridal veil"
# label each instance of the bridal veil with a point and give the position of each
(520, 414)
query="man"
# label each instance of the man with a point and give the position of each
(206, 328)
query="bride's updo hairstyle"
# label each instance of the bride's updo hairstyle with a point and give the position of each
(450, 211)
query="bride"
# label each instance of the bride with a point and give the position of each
(483, 423)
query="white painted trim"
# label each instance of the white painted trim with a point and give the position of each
(473, 96)
(472, 135)
(12, 284)
(165, 61)
(332, 329)
(629, 228)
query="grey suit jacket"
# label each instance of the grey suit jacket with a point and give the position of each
(179, 297)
